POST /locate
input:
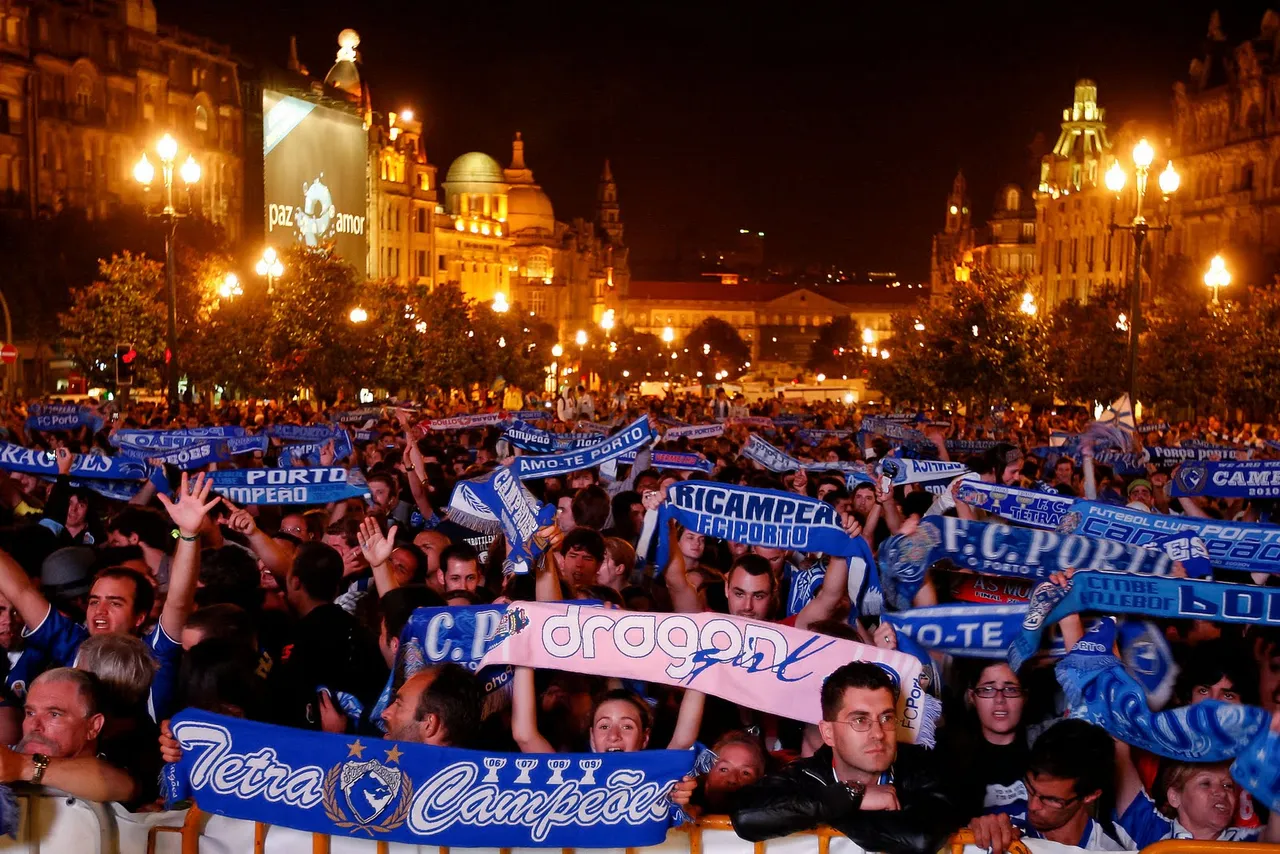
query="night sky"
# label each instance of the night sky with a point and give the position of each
(835, 132)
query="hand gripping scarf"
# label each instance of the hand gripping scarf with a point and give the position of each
(497, 501)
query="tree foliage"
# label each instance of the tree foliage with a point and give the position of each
(1088, 353)
(124, 305)
(837, 351)
(715, 345)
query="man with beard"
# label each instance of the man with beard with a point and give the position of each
(438, 705)
(60, 740)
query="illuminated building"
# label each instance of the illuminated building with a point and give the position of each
(778, 321)
(1226, 146)
(85, 87)
(952, 246)
(1076, 253)
(1008, 242)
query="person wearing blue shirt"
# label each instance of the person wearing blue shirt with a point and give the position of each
(121, 599)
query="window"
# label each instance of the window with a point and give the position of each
(202, 118)
(422, 220)
(538, 301)
(43, 30)
(536, 267)
(422, 263)
(84, 93)
(1088, 253)
(441, 264)
(1012, 199)
(4, 116)
(397, 262)
(1028, 229)
(424, 180)
(148, 107)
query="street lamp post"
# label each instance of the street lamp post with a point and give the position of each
(1217, 276)
(144, 173)
(1143, 155)
(270, 266)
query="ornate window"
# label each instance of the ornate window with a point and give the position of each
(202, 118)
(1012, 199)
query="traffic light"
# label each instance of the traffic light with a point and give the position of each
(126, 357)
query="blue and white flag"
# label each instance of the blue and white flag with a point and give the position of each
(920, 471)
(62, 416)
(83, 467)
(694, 432)
(1029, 507)
(998, 549)
(497, 501)
(421, 795)
(1119, 414)
(1228, 479)
(1232, 545)
(633, 437)
(466, 422)
(320, 485)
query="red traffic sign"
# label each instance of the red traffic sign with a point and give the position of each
(8, 354)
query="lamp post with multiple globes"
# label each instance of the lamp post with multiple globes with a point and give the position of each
(1143, 155)
(270, 267)
(144, 173)
(1218, 276)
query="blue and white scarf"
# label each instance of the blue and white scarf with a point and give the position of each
(309, 451)
(319, 485)
(758, 517)
(466, 422)
(694, 432)
(998, 549)
(497, 501)
(674, 460)
(920, 471)
(421, 795)
(892, 430)
(1228, 479)
(303, 432)
(970, 446)
(774, 460)
(1170, 456)
(526, 437)
(1029, 507)
(1099, 691)
(173, 438)
(197, 453)
(1124, 464)
(359, 416)
(1232, 545)
(62, 416)
(817, 437)
(83, 467)
(1155, 427)
(633, 437)
(530, 414)
(1149, 596)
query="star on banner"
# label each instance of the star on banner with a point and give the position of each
(394, 754)
(356, 749)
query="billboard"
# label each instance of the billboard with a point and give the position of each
(314, 159)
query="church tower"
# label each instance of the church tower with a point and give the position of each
(949, 262)
(608, 214)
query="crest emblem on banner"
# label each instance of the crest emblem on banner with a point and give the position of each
(1191, 477)
(1070, 521)
(376, 795)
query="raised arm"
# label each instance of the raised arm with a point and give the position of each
(828, 597)
(547, 581)
(189, 513)
(377, 550)
(524, 714)
(689, 721)
(18, 588)
(684, 596)
(273, 554)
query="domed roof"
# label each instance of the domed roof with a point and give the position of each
(529, 207)
(475, 167)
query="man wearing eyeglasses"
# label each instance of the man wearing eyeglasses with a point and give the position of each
(882, 796)
(1070, 765)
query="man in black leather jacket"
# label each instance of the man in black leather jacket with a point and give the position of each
(882, 796)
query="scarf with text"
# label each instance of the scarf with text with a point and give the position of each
(309, 451)
(359, 416)
(466, 422)
(998, 549)
(633, 437)
(1154, 427)
(1231, 545)
(675, 460)
(746, 662)
(419, 794)
(694, 432)
(970, 446)
(303, 432)
(1167, 456)
(497, 501)
(1151, 596)
(1124, 464)
(817, 437)
(760, 451)
(758, 421)
(1228, 479)
(83, 467)
(62, 416)
(1099, 691)
(902, 471)
(197, 454)
(526, 437)
(174, 438)
(1029, 507)
(319, 485)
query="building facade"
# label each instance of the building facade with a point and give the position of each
(86, 87)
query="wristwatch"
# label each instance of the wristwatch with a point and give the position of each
(41, 763)
(856, 790)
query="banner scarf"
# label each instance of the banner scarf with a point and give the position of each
(970, 446)
(302, 433)
(592, 427)
(359, 416)
(1125, 464)
(1152, 596)
(309, 452)
(694, 431)
(920, 471)
(1228, 479)
(1232, 545)
(319, 485)
(1030, 507)
(1099, 691)
(530, 414)
(1163, 455)
(526, 437)
(62, 416)
(762, 452)
(418, 794)
(1157, 427)
(998, 549)
(633, 437)
(817, 437)
(751, 421)
(197, 453)
(174, 438)
(466, 422)
(678, 460)
(461, 634)
(757, 517)
(747, 662)
(83, 467)
(893, 430)
(497, 501)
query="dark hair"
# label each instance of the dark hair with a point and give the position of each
(588, 540)
(591, 507)
(1208, 663)
(645, 716)
(1075, 750)
(224, 621)
(397, 605)
(385, 477)
(153, 528)
(218, 673)
(454, 698)
(855, 674)
(974, 668)
(318, 569)
(604, 594)
(144, 595)
(622, 504)
(230, 575)
(753, 564)
(419, 560)
(457, 551)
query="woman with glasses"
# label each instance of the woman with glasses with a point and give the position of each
(994, 744)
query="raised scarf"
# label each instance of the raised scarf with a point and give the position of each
(466, 422)
(83, 467)
(319, 485)
(62, 416)
(497, 501)
(1228, 479)
(1029, 507)
(633, 437)
(903, 471)
(694, 432)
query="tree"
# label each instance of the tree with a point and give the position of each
(448, 356)
(909, 373)
(714, 346)
(837, 351)
(1088, 354)
(125, 305)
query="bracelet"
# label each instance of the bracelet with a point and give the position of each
(178, 535)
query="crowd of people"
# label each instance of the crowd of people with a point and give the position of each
(116, 614)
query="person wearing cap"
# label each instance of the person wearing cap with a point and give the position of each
(1141, 495)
